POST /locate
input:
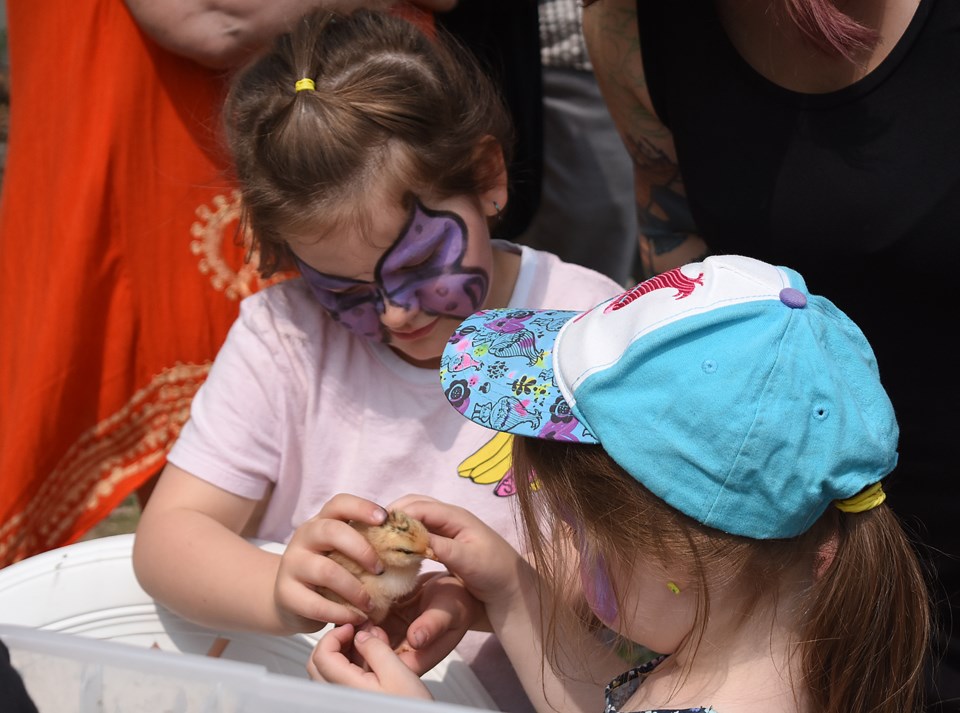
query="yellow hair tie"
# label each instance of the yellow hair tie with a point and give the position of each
(864, 500)
(305, 83)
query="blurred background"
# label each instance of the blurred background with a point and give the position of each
(4, 90)
(124, 518)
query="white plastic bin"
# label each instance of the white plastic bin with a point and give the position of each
(98, 636)
(71, 674)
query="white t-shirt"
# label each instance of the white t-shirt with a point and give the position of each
(297, 403)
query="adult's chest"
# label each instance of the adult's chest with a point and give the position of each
(873, 168)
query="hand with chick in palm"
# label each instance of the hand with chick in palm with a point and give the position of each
(336, 564)
(366, 658)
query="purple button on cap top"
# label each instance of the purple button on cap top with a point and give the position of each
(792, 298)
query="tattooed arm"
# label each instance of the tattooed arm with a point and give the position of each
(668, 236)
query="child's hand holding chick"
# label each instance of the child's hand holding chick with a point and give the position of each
(325, 569)
(329, 574)
(401, 543)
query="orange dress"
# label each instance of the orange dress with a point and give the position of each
(121, 273)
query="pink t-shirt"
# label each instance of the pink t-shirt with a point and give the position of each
(296, 403)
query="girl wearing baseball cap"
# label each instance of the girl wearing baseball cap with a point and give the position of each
(706, 454)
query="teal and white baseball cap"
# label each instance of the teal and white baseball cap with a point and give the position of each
(723, 386)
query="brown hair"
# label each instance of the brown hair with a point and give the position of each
(389, 100)
(865, 618)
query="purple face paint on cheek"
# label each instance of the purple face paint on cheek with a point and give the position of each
(354, 304)
(597, 588)
(594, 580)
(424, 268)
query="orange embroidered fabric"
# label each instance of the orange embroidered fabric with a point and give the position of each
(120, 272)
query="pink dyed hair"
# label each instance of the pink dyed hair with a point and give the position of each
(829, 29)
(826, 27)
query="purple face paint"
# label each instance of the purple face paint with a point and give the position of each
(423, 270)
(594, 579)
(597, 588)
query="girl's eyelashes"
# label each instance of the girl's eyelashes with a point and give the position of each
(417, 262)
(350, 291)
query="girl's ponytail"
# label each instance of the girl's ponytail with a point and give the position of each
(344, 104)
(866, 631)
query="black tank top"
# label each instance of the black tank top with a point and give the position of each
(857, 189)
(873, 168)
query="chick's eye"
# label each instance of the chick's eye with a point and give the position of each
(404, 551)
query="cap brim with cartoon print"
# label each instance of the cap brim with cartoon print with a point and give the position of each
(723, 386)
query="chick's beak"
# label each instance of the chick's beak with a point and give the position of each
(429, 554)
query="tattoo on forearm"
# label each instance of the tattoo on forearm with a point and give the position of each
(666, 220)
(662, 207)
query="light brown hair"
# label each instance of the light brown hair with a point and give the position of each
(865, 629)
(389, 101)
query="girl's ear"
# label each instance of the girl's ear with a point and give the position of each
(492, 168)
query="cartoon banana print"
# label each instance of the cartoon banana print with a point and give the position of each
(491, 462)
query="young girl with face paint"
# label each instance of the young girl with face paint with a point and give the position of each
(370, 158)
(725, 435)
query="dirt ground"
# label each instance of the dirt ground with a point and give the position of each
(122, 520)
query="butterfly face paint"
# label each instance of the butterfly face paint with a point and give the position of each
(422, 271)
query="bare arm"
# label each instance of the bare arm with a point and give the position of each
(189, 555)
(518, 622)
(187, 544)
(224, 33)
(509, 587)
(517, 608)
(668, 236)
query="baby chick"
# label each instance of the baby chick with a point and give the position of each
(402, 543)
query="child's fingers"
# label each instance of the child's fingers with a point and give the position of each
(469, 555)
(351, 507)
(301, 585)
(439, 517)
(323, 535)
(376, 631)
(328, 662)
(387, 673)
(376, 651)
(312, 671)
(430, 639)
(428, 626)
(402, 502)
(311, 605)
(338, 638)
(391, 672)
(467, 546)
(445, 605)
